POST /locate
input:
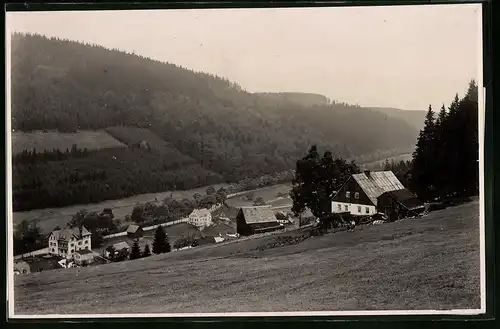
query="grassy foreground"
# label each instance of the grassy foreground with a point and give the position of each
(427, 263)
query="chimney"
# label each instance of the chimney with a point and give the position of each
(367, 173)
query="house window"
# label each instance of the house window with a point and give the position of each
(340, 207)
(347, 194)
(52, 249)
(359, 209)
(86, 241)
(367, 210)
(346, 208)
(79, 243)
(72, 250)
(356, 195)
(86, 247)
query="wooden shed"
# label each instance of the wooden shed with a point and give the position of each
(134, 231)
(253, 220)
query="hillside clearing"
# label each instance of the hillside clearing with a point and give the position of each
(39, 140)
(421, 264)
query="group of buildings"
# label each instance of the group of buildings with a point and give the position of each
(363, 195)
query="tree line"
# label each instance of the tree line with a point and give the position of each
(445, 162)
(446, 159)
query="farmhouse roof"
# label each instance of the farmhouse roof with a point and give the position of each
(68, 233)
(84, 252)
(133, 228)
(121, 245)
(376, 183)
(406, 198)
(255, 215)
(200, 212)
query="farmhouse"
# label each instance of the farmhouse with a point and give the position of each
(66, 242)
(84, 256)
(361, 193)
(253, 220)
(200, 218)
(134, 231)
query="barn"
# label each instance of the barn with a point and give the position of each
(399, 204)
(254, 220)
(134, 231)
(361, 193)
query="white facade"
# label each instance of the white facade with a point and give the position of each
(200, 218)
(66, 242)
(353, 208)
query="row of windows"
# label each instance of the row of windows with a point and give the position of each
(348, 195)
(346, 208)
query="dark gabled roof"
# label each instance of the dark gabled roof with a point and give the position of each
(257, 215)
(84, 252)
(133, 228)
(376, 183)
(406, 198)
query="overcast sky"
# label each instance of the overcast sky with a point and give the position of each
(405, 57)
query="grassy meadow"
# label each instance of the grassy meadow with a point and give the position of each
(39, 140)
(431, 263)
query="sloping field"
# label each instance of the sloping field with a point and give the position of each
(51, 217)
(39, 140)
(267, 193)
(427, 263)
(133, 136)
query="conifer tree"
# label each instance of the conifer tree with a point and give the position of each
(147, 251)
(160, 242)
(423, 171)
(136, 250)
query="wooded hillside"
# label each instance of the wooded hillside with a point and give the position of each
(230, 133)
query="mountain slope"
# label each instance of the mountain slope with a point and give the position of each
(414, 118)
(69, 86)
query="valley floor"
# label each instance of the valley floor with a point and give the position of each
(421, 264)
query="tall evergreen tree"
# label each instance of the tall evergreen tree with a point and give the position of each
(160, 242)
(423, 167)
(147, 251)
(135, 253)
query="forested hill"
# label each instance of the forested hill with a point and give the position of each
(303, 99)
(69, 86)
(413, 118)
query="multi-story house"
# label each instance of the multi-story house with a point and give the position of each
(67, 241)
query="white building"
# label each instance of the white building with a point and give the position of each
(359, 193)
(67, 241)
(200, 218)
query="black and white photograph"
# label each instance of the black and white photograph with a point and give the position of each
(245, 162)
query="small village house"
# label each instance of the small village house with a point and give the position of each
(253, 220)
(134, 231)
(84, 256)
(21, 267)
(117, 248)
(360, 194)
(200, 218)
(228, 213)
(66, 242)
